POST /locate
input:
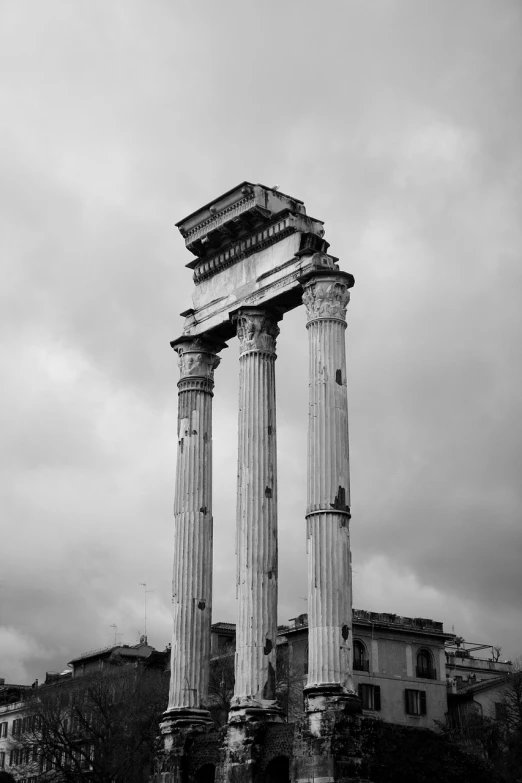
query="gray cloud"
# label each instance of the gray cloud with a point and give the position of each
(399, 124)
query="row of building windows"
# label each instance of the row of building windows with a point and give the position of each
(23, 755)
(424, 668)
(30, 755)
(21, 725)
(414, 701)
(361, 662)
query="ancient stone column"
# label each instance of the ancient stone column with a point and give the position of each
(256, 533)
(328, 513)
(192, 575)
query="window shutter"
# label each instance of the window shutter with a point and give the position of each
(422, 695)
(377, 697)
(406, 701)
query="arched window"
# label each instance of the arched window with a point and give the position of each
(360, 657)
(425, 665)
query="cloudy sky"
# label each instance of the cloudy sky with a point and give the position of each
(398, 123)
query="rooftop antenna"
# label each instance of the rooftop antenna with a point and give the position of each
(145, 591)
(115, 634)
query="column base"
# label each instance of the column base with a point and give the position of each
(179, 730)
(257, 714)
(331, 698)
(248, 711)
(185, 718)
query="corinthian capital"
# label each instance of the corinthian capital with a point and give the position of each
(257, 330)
(326, 297)
(197, 358)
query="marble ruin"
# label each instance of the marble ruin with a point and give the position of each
(257, 256)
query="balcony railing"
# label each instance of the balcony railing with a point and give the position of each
(426, 674)
(361, 666)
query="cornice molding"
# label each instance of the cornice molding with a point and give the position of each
(237, 251)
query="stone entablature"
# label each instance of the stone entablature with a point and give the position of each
(269, 278)
(234, 251)
(236, 211)
(252, 246)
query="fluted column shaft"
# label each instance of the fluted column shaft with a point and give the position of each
(256, 532)
(328, 511)
(192, 574)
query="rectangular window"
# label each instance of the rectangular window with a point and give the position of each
(370, 696)
(2, 759)
(501, 712)
(3, 729)
(415, 702)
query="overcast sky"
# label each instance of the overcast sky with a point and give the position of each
(398, 123)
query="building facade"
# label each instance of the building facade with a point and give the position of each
(21, 754)
(13, 719)
(407, 671)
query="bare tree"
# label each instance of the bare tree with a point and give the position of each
(498, 741)
(288, 685)
(512, 699)
(97, 728)
(221, 684)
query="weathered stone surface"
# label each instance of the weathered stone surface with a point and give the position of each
(331, 752)
(256, 628)
(352, 749)
(328, 512)
(189, 755)
(250, 750)
(252, 245)
(192, 575)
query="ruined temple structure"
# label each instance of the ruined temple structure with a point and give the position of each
(257, 255)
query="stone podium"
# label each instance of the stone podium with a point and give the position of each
(259, 255)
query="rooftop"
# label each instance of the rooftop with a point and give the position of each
(223, 626)
(130, 651)
(417, 624)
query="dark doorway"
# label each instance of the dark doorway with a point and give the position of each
(205, 774)
(278, 770)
